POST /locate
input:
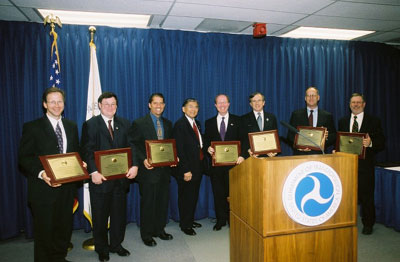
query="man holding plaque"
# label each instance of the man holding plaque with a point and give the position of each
(222, 127)
(312, 116)
(257, 120)
(108, 196)
(189, 144)
(153, 181)
(360, 122)
(51, 204)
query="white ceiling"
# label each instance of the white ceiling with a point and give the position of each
(235, 16)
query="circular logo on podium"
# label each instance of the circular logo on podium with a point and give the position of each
(312, 193)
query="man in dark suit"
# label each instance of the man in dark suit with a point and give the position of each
(189, 143)
(256, 121)
(153, 181)
(374, 142)
(51, 204)
(222, 127)
(107, 197)
(312, 115)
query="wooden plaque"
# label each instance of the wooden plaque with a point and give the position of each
(161, 152)
(226, 153)
(351, 143)
(113, 163)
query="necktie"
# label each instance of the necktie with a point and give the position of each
(59, 138)
(110, 129)
(159, 130)
(259, 121)
(222, 129)
(311, 118)
(196, 131)
(354, 129)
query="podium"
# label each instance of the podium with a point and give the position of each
(262, 230)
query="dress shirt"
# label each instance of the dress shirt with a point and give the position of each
(315, 115)
(191, 121)
(154, 118)
(219, 120)
(262, 117)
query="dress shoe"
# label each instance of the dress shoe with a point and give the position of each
(165, 236)
(217, 227)
(104, 257)
(367, 230)
(122, 252)
(150, 242)
(189, 231)
(195, 225)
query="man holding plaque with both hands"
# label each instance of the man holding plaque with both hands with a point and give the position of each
(374, 141)
(222, 127)
(312, 116)
(257, 120)
(108, 196)
(51, 204)
(153, 181)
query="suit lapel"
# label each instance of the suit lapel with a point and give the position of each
(104, 129)
(49, 131)
(150, 127)
(190, 127)
(68, 133)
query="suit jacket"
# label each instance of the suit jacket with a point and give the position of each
(372, 126)
(211, 132)
(325, 119)
(38, 139)
(249, 125)
(143, 129)
(95, 137)
(188, 148)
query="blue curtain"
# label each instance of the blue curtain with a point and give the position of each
(134, 63)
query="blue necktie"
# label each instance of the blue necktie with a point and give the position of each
(259, 121)
(222, 128)
(59, 138)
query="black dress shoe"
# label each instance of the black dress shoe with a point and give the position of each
(165, 236)
(367, 230)
(104, 257)
(195, 225)
(150, 242)
(217, 227)
(122, 252)
(189, 231)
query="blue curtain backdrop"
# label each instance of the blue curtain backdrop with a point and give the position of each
(134, 63)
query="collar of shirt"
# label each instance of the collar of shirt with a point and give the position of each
(191, 121)
(360, 118)
(256, 114)
(315, 114)
(106, 120)
(219, 120)
(54, 122)
(154, 119)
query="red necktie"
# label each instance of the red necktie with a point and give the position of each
(311, 119)
(196, 131)
(110, 129)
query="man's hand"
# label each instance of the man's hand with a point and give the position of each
(272, 154)
(47, 180)
(132, 172)
(187, 176)
(147, 164)
(304, 149)
(210, 150)
(98, 178)
(367, 141)
(239, 160)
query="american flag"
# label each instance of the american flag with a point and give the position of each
(55, 72)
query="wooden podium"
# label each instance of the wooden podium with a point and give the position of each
(261, 229)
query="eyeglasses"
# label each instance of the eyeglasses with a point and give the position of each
(311, 95)
(257, 101)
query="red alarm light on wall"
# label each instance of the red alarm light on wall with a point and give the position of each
(259, 30)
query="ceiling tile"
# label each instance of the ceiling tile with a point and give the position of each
(387, 2)
(304, 6)
(183, 23)
(226, 26)
(348, 23)
(360, 10)
(229, 13)
(5, 2)
(10, 13)
(31, 14)
(384, 37)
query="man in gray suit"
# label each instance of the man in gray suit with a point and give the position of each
(153, 181)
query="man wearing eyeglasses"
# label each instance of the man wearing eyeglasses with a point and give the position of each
(108, 197)
(313, 116)
(51, 204)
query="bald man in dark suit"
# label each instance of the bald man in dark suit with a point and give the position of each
(361, 122)
(222, 127)
(51, 204)
(320, 118)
